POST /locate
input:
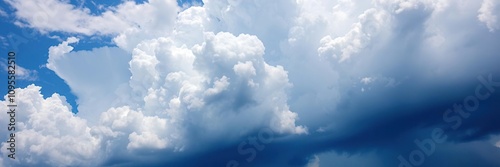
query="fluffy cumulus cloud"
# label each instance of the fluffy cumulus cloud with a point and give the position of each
(44, 129)
(265, 83)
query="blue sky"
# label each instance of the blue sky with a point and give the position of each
(254, 83)
(32, 48)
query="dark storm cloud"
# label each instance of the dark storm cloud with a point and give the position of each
(392, 115)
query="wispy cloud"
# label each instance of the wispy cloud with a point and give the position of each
(21, 72)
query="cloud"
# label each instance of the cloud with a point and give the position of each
(202, 77)
(25, 74)
(142, 132)
(195, 84)
(371, 22)
(69, 17)
(44, 127)
(61, 49)
(314, 162)
(3, 13)
(94, 76)
(21, 72)
(487, 14)
(163, 92)
(60, 16)
(367, 80)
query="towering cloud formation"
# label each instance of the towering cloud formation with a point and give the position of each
(205, 82)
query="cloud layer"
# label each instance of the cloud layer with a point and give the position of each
(212, 82)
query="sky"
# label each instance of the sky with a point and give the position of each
(292, 83)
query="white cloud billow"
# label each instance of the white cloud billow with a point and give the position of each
(342, 48)
(44, 129)
(21, 72)
(488, 14)
(126, 17)
(223, 69)
(169, 86)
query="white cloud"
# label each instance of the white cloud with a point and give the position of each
(146, 140)
(3, 13)
(26, 74)
(285, 122)
(4, 42)
(143, 132)
(148, 101)
(367, 80)
(151, 19)
(21, 72)
(342, 48)
(219, 86)
(224, 69)
(44, 127)
(487, 14)
(96, 77)
(61, 49)
(54, 15)
(244, 69)
(194, 87)
(313, 162)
